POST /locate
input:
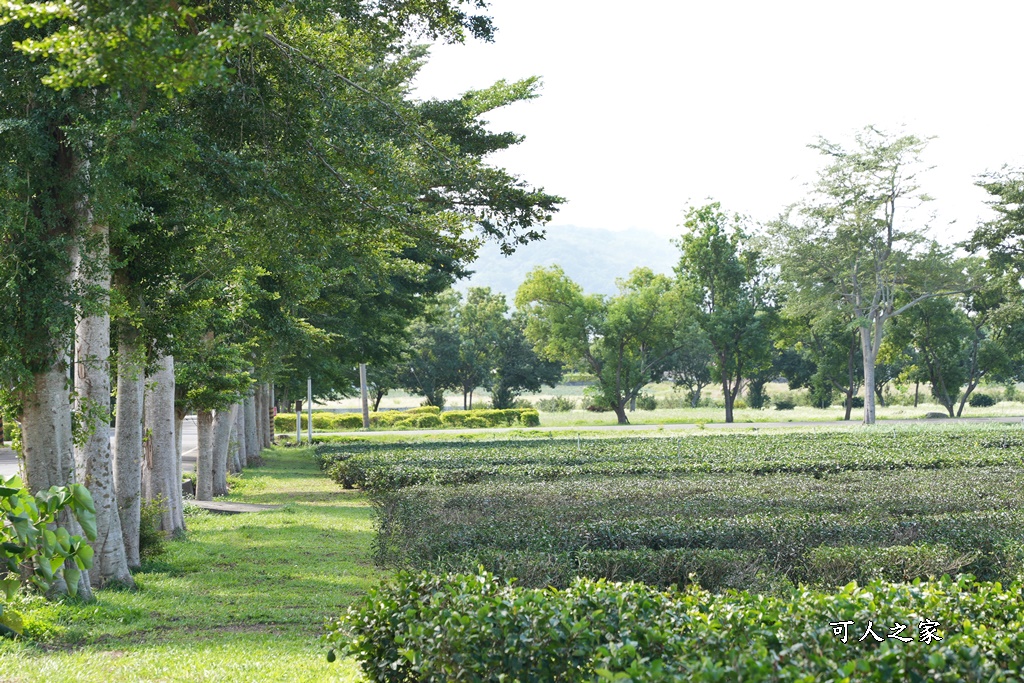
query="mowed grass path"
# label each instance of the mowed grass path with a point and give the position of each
(241, 598)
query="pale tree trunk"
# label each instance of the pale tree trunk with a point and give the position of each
(161, 476)
(223, 419)
(237, 443)
(265, 417)
(870, 344)
(47, 446)
(179, 427)
(93, 460)
(204, 457)
(128, 442)
(257, 403)
(252, 447)
(271, 413)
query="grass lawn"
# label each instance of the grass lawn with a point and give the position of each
(241, 598)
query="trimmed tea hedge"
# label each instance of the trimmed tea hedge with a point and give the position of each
(475, 627)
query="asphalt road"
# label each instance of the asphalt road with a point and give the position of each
(189, 446)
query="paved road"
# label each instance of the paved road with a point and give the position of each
(189, 445)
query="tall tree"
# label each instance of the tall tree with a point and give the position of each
(691, 363)
(626, 340)
(851, 246)
(724, 281)
(518, 368)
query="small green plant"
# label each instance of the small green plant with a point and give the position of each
(646, 401)
(784, 404)
(33, 549)
(981, 401)
(556, 404)
(151, 537)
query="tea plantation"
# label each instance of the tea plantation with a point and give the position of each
(787, 518)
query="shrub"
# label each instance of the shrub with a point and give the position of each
(556, 404)
(424, 410)
(739, 404)
(529, 418)
(784, 403)
(347, 421)
(427, 421)
(1010, 392)
(151, 537)
(981, 401)
(857, 401)
(646, 401)
(467, 627)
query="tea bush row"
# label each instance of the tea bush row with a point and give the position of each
(819, 454)
(425, 627)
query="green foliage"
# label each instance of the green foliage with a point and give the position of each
(467, 626)
(725, 286)
(626, 340)
(646, 401)
(32, 541)
(981, 401)
(738, 511)
(152, 540)
(556, 404)
(784, 404)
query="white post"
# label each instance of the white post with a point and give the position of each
(309, 409)
(365, 395)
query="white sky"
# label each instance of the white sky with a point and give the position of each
(648, 107)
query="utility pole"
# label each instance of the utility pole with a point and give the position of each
(365, 395)
(309, 409)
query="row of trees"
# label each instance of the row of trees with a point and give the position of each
(199, 203)
(843, 291)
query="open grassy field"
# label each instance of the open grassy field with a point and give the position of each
(241, 598)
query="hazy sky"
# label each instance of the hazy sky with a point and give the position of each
(648, 107)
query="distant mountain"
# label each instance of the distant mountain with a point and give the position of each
(592, 257)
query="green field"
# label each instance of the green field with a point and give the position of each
(241, 598)
(760, 510)
(245, 597)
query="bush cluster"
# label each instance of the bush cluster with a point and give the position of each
(556, 404)
(981, 401)
(424, 417)
(423, 627)
(764, 510)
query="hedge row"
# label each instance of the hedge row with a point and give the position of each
(718, 570)
(821, 455)
(425, 417)
(477, 628)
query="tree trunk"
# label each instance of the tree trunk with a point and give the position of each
(93, 459)
(161, 466)
(131, 380)
(252, 447)
(917, 392)
(47, 446)
(237, 447)
(179, 426)
(620, 413)
(223, 419)
(728, 401)
(870, 343)
(271, 413)
(267, 428)
(204, 458)
(632, 403)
